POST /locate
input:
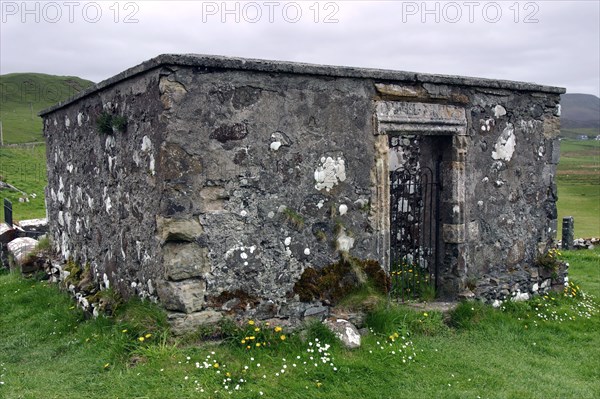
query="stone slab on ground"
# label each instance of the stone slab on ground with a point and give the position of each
(7, 233)
(345, 331)
(443, 307)
(38, 225)
(21, 247)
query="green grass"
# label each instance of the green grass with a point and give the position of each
(23, 95)
(526, 350)
(578, 179)
(24, 168)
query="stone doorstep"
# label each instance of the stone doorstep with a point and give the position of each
(444, 307)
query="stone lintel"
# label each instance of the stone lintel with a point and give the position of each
(420, 118)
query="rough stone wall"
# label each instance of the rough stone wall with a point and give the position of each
(228, 183)
(276, 169)
(103, 190)
(512, 215)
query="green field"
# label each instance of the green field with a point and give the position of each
(545, 348)
(578, 179)
(23, 95)
(25, 168)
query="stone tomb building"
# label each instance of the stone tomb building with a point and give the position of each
(192, 178)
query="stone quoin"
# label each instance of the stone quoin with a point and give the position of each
(207, 182)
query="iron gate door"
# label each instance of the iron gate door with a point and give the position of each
(414, 232)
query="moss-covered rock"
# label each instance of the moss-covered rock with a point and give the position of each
(335, 281)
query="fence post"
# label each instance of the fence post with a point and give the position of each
(567, 232)
(8, 219)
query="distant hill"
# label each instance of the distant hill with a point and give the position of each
(23, 95)
(580, 111)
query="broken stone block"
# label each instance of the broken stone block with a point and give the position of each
(345, 331)
(20, 248)
(7, 233)
(179, 230)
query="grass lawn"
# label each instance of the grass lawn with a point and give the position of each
(545, 348)
(578, 179)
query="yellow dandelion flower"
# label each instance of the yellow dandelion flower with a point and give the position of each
(278, 329)
(425, 314)
(257, 329)
(267, 324)
(124, 331)
(243, 341)
(147, 336)
(248, 347)
(141, 339)
(216, 365)
(282, 337)
(252, 338)
(251, 322)
(228, 374)
(258, 344)
(107, 365)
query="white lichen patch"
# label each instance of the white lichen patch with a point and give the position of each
(107, 204)
(306, 251)
(343, 208)
(287, 241)
(344, 241)
(151, 165)
(486, 124)
(275, 145)
(499, 111)
(330, 173)
(146, 144)
(67, 121)
(505, 145)
(110, 142)
(80, 118)
(242, 249)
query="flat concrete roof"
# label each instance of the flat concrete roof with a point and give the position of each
(247, 64)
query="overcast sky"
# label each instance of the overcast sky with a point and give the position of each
(548, 42)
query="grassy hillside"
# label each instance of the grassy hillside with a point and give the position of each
(580, 111)
(578, 179)
(25, 168)
(23, 95)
